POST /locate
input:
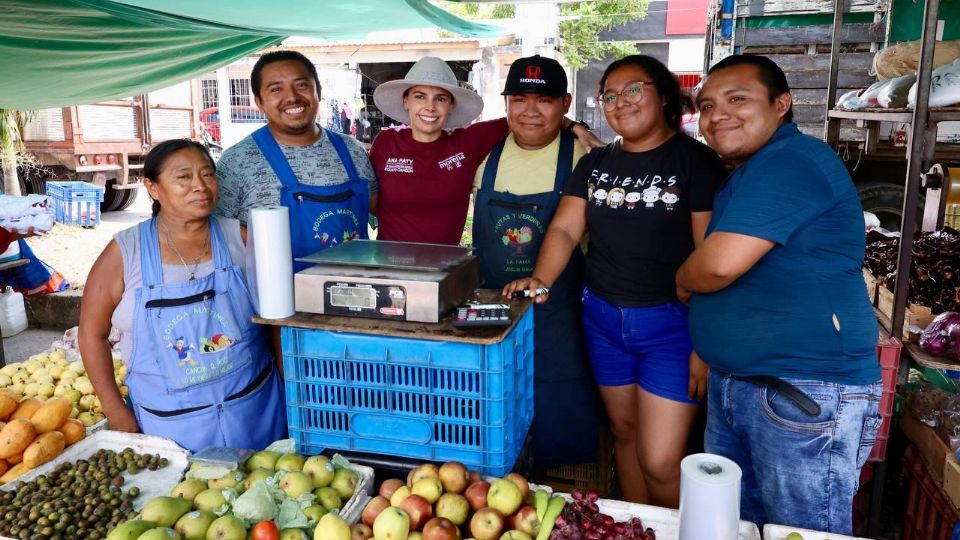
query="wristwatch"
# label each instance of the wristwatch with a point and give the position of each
(574, 123)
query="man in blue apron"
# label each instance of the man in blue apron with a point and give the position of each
(518, 189)
(324, 178)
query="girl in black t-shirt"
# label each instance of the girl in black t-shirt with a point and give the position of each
(646, 201)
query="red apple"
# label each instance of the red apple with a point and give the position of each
(440, 529)
(477, 495)
(418, 509)
(486, 524)
(389, 486)
(521, 483)
(427, 470)
(373, 509)
(525, 520)
(473, 477)
(361, 531)
(454, 477)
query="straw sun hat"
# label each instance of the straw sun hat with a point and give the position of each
(429, 71)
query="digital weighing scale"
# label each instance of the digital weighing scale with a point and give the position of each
(386, 280)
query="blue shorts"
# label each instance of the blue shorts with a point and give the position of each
(647, 346)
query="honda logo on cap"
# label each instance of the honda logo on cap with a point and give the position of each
(532, 75)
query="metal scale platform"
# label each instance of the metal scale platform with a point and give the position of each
(386, 280)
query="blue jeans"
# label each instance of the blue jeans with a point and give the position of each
(798, 470)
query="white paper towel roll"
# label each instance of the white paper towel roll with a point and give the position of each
(269, 240)
(709, 498)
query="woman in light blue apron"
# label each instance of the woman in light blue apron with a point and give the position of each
(198, 370)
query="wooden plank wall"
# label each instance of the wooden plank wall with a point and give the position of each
(756, 8)
(795, 35)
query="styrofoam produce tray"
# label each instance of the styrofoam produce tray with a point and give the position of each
(151, 483)
(780, 532)
(664, 521)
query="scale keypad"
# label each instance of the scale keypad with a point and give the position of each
(482, 315)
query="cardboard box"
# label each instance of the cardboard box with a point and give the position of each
(951, 482)
(915, 315)
(935, 453)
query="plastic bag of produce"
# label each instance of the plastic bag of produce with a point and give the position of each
(902, 58)
(847, 97)
(256, 504)
(937, 338)
(949, 425)
(894, 95)
(944, 87)
(926, 404)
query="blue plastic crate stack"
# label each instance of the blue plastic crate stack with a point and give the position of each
(431, 400)
(76, 203)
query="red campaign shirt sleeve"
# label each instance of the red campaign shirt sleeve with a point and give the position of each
(485, 135)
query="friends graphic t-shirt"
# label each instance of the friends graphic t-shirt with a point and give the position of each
(638, 215)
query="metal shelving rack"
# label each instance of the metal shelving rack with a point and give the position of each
(921, 145)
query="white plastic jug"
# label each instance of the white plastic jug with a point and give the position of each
(13, 314)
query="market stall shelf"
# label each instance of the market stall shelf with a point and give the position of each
(930, 361)
(151, 483)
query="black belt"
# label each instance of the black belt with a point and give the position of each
(245, 391)
(789, 391)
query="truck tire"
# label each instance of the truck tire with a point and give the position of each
(129, 196)
(886, 201)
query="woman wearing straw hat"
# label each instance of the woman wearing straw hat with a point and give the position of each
(426, 170)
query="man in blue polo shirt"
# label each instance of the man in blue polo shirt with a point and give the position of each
(778, 308)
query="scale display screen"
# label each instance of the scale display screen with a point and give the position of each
(379, 301)
(353, 297)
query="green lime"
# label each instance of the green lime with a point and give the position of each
(794, 536)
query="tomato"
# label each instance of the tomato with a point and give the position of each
(266, 530)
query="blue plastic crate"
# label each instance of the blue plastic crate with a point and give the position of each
(421, 399)
(76, 203)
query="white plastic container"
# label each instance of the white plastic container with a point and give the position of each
(13, 314)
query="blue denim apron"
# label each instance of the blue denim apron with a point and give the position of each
(201, 372)
(507, 233)
(320, 216)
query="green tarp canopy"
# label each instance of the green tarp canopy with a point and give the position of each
(55, 53)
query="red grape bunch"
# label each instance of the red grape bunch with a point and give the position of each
(581, 520)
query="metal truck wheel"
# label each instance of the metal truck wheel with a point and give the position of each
(886, 201)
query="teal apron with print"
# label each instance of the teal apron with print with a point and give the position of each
(507, 233)
(320, 216)
(201, 373)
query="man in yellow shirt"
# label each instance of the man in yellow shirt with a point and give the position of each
(517, 191)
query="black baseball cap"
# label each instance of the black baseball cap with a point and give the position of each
(536, 75)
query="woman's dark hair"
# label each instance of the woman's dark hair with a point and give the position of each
(666, 83)
(256, 76)
(156, 159)
(768, 73)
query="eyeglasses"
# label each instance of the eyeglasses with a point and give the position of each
(631, 95)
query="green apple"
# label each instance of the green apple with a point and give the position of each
(227, 527)
(332, 527)
(295, 484)
(194, 525)
(209, 500)
(428, 487)
(290, 462)
(328, 497)
(255, 476)
(188, 489)
(160, 533)
(293, 534)
(504, 496)
(391, 524)
(320, 470)
(345, 482)
(515, 535)
(315, 512)
(264, 459)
